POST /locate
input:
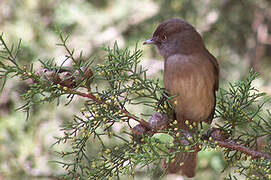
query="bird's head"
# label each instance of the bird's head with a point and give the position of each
(175, 36)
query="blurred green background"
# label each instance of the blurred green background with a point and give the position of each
(237, 32)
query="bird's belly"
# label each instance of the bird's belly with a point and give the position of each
(195, 100)
(194, 87)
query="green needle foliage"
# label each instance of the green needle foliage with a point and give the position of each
(113, 91)
(241, 118)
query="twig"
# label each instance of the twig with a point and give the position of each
(234, 146)
(218, 138)
(128, 114)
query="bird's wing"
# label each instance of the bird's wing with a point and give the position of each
(216, 85)
(216, 69)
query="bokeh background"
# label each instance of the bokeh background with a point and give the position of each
(237, 32)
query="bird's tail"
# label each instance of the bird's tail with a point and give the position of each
(185, 163)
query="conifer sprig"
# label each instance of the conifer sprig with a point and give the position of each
(104, 143)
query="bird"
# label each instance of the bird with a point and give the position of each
(192, 73)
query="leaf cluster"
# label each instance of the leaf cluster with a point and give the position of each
(112, 92)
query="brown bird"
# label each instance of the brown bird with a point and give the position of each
(191, 72)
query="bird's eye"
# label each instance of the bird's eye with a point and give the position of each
(164, 38)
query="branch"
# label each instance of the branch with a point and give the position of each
(216, 137)
(234, 146)
(93, 98)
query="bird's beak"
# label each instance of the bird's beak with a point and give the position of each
(149, 41)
